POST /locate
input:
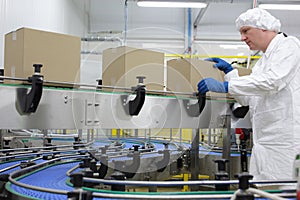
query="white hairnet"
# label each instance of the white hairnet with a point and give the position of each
(258, 18)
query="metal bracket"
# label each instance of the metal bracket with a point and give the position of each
(28, 102)
(135, 163)
(129, 170)
(103, 167)
(133, 107)
(77, 181)
(239, 112)
(221, 174)
(163, 163)
(194, 110)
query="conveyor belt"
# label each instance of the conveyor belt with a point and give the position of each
(8, 164)
(4, 165)
(54, 176)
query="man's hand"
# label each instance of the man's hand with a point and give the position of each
(221, 64)
(210, 84)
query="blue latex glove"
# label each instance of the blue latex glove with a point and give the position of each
(210, 84)
(221, 64)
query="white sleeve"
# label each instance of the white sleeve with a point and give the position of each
(231, 76)
(279, 69)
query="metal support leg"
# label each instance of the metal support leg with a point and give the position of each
(195, 159)
(153, 177)
(226, 140)
(45, 135)
(88, 137)
(2, 131)
(118, 136)
(209, 137)
(93, 134)
(80, 133)
(180, 136)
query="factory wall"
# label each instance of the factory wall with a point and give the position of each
(91, 63)
(70, 17)
(62, 16)
(157, 29)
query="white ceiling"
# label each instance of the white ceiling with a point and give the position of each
(217, 22)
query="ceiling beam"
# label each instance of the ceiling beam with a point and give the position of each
(199, 16)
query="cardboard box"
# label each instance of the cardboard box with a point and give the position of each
(242, 71)
(121, 66)
(59, 54)
(183, 75)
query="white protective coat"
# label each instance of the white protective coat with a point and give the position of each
(273, 93)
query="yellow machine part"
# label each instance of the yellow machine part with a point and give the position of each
(187, 177)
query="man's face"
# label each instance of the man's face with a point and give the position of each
(252, 37)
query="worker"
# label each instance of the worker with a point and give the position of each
(272, 92)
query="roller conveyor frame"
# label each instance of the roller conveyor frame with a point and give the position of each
(161, 195)
(169, 195)
(84, 108)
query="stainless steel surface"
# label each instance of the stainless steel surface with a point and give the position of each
(87, 109)
(168, 196)
(227, 142)
(91, 86)
(208, 166)
(195, 158)
(181, 183)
